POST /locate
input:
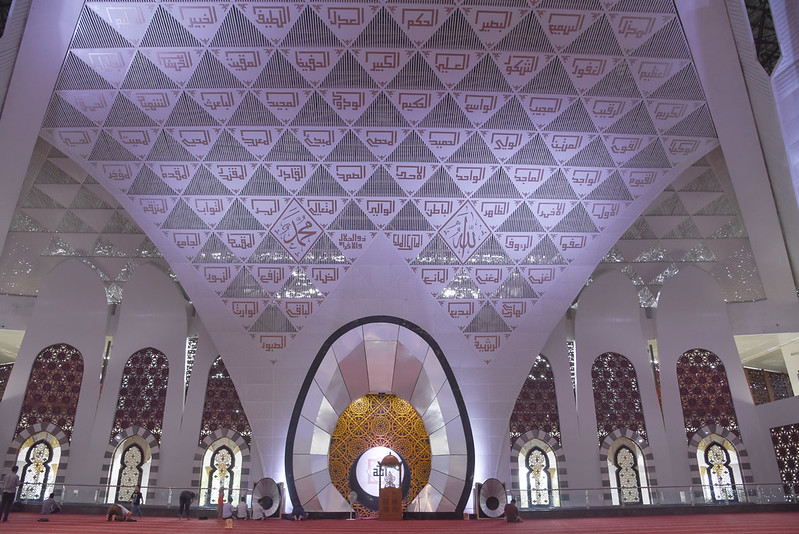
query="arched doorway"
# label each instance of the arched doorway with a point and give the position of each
(380, 355)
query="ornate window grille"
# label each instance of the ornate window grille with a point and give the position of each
(36, 471)
(130, 467)
(720, 470)
(627, 473)
(538, 475)
(130, 472)
(539, 479)
(628, 479)
(221, 469)
(720, 477)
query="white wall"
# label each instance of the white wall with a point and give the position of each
(71, 308)
(691, 314)
(609, 320)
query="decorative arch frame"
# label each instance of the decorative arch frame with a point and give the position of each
(522, 446)
(207, 441)
(735, 441)
(25, 434)
(117, 440)
(307, 444)
(604, 453)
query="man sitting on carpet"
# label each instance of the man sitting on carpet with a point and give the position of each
(257, 510)
(242, 512)
(512, 513)
(227, 509)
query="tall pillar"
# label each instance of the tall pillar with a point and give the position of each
(790, 354)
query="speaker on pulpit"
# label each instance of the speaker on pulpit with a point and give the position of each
(390, 481)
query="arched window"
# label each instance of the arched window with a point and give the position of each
(221, 469)
(142, 392)
(704, 392)
(539, 480)
(538, 470)
(536, 406)
(130, 471)
(38, 460)
(720, 470)
(617, 399)
(130, 467)
(627, 473)
(53, 389)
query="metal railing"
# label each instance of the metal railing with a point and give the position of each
(156, 496)
(698, 495)
(774, 493)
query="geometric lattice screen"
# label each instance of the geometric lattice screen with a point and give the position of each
(492, 143)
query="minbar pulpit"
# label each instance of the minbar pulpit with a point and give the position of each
(390, 480)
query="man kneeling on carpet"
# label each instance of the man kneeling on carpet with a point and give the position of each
(49, 506)
(117, 512)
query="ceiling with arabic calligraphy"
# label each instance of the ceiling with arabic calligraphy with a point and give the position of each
(502, 148)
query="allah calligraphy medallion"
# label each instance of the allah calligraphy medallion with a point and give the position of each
(465, 232)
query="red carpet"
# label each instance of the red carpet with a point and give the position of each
(766, 523)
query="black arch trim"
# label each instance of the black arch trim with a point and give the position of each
(442, 359)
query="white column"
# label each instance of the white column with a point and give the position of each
(74, 313)
(790, 355)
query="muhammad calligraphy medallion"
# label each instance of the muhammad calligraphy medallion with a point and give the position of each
(296, 230)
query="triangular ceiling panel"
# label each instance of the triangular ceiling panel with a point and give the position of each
(273, 144)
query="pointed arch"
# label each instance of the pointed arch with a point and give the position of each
(412, 366)
(556, 460)
(610, 465)
(738, 462)
(114, 456)
(19, 453)
(210, 455)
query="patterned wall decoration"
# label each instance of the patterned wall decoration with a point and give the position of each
(379, 421)
(64, 213)
(222, 408)
(780, 384)
(768, 386)
(53, 389)
(263, 147)
(704, 392)
(648, 474)
(142, 393)
(5, 372)
(786, 447)
(617, 400)
(537, 406)
(695, 221)
(757, 385)
(27, 435)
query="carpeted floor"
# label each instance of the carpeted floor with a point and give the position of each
(751, 523)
